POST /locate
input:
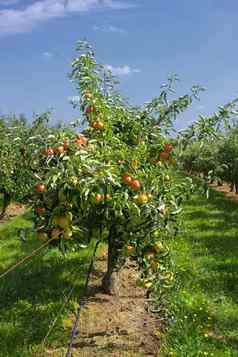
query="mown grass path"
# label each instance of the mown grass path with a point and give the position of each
(204, 303)
(33, 295)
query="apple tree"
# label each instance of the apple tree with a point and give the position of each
(19, 145)
(114, 181)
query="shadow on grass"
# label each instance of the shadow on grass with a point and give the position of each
(205, 298)
(33, 295)
(217, 238)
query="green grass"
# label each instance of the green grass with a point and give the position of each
(33, 295)
(204, 302)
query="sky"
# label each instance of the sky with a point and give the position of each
(141, 41)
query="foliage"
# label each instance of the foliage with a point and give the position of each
(207, 128)
(199, 158)
(19, 145)
(227, 157)
(209, 146)
(16, 159)
(114, 181)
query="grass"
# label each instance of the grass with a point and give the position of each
(33, 295)
(204, 302)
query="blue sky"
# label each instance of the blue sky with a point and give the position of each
(142, 40)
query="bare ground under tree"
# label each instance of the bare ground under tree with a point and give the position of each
(13, 210)
(225, 189)
(115, 325)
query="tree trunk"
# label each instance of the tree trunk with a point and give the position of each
(236, 187)
(110, 281)
(232, 187)
(6, 201)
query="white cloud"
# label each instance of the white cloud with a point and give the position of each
(47, 54)
(118, 5)
(23, 20)
(109, 28)
(122, 70)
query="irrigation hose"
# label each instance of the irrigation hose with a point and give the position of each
(65, 302)
(81, 303)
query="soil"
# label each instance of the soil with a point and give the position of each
(13, 210)
(115, 325)
(225, 189)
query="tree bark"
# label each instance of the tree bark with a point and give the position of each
(6, 201)
(109, 282)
